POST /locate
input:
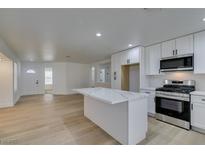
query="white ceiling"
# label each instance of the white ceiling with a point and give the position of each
(53, 34)
(3, 58)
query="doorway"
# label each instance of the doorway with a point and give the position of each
(48, 80)
(130, 77)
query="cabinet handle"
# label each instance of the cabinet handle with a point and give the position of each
(128, 61)
(203, 99)
(173, 52)
(176, 52)
(148, 92)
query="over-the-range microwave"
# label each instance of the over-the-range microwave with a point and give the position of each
(177, 63)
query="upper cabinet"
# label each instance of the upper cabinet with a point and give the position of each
(130, 56)
(133, 55)
(115, 71)
(124, 56)
(180, 46)
(199, 52)
(152, 59)
(168, 48)
(185, 45)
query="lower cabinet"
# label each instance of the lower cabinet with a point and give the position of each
(151, 101)
(198, 112)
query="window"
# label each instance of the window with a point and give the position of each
(48, 76)
(31, 71)
(102, 75)
(93, 74)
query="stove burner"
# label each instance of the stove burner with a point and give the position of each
(185, 89)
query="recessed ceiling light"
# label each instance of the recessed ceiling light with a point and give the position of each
(130, 45)
(98, 34)
(203, 19)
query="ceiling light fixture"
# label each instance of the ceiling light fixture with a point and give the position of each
(203, 19)
(130, 45)
(98, 34)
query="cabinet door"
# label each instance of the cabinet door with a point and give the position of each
(168, 48)
(116, 72)
(147, 61)
(197, 115)
(113, 71)
(123, 57)
(199, 52)
(133, 55)
(153, 55)
(151, 102)
(185, 45)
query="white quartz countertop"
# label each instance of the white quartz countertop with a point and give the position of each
(148, 88)
(111, 96)
(200, 93)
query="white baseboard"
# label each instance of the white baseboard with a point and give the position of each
(69, 93)
(17, 99)
(6, 105)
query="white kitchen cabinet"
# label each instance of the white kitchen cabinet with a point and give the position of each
(177, 47)
(168, 48)
(152, 59)
(116, 71)
(133, 55)
(151, 100)
(185, 45)
(130, 56)
(199, 53)
(124, 55)
(198, 112)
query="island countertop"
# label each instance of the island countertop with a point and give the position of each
(111, 96)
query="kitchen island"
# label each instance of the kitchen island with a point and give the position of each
(122, 114)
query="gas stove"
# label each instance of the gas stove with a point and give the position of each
(184, 87)
(173, 102)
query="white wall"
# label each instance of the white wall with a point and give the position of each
(66, 76)
(6, 84)
(12, 56)
(157, 81)
(77, 76)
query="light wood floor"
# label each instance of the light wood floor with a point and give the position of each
(47, 119)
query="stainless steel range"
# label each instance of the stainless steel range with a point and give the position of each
(173, 102)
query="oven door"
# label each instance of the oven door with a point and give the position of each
(174, 108)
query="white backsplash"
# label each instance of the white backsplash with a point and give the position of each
(157, 81)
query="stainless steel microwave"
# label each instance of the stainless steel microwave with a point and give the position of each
(178, 63)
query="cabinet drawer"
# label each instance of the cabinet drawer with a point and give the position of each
(198, 99)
